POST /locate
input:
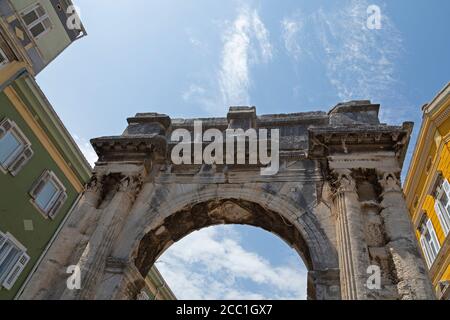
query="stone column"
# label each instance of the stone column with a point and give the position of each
(51, 273)
(412, 276)
(93, 259)
(352, 248)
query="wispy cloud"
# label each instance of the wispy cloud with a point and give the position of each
(360, 63)
(245, 44)
(238, 44)
(193, 91)
(196, 42)
(291, 28)
(213, 264)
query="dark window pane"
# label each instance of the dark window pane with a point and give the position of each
(37, 29)
(30, 17)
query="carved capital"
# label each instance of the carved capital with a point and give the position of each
(389, 182)
(95, 184)
(130, 183)
(343, 182)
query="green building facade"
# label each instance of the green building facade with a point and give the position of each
(38, 189)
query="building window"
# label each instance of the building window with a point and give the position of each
(13, 259)
(3, 58)
(429, 242)
(36, 20)
(48, 194)
(15, 149)
(442, 205)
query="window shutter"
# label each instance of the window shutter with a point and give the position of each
(16, 271)
(426, 254)
(21, 161)
(40, 183)
(57, 206)
(441, 215)
(434, 238)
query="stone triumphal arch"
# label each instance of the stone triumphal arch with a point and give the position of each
(336, 199)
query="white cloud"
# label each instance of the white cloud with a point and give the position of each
(245, 44)
(262, 35)
(290, 32)
(238, 45)
(358, 62)
(86, 149)
(195, 41)
(193, 91)
(213, 264)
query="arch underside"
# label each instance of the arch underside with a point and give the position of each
(216, 212)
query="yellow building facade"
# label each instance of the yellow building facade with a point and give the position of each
(427, 190)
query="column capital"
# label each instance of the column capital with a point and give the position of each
(343, 181)
(389, 181)
(95, 184)
(130, 183)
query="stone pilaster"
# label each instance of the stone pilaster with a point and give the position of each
(352, 248)
(93, 259)
(412, 276)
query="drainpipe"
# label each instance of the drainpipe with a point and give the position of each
(52, 240)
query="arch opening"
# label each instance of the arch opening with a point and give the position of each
(218, 212)
(233, 262)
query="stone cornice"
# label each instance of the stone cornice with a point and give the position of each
(349, 127)
(324, 141)
(126, 148)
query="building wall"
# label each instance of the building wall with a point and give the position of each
(431, 158)
(54, 41)
(15, 205)
(37, 52)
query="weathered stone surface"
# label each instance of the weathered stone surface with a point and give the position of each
(336, 200)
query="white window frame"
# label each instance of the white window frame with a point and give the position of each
(56, 203)
(19, 158)
(6, 60)
(19, 263)
(441, 208)
(31, 8)
(430, 256)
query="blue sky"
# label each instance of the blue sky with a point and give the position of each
(196, 58)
